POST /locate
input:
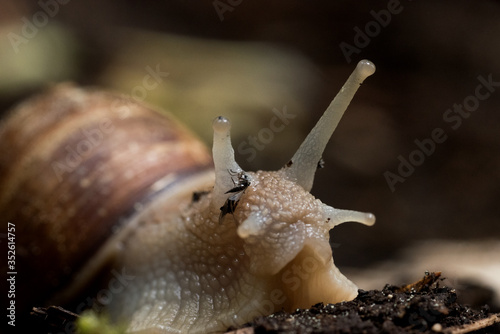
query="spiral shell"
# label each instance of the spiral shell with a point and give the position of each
(80, 163)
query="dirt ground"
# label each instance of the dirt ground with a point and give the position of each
(426, 306)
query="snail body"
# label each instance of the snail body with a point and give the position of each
(245, 244)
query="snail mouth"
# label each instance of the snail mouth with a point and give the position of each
(311, 278)
(318, 249)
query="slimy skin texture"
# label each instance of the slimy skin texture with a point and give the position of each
(200, 272)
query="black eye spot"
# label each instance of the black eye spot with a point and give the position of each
(197, 195)
(289, 163)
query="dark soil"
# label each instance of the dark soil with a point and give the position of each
(426, 306)
(423, 307)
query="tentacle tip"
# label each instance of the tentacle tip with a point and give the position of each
(369, 219)
(221, 124)
(251, 226)
(365, 68)
(243, 233)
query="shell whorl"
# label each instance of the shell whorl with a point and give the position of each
(75, 164)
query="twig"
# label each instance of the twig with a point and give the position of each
(474, 326)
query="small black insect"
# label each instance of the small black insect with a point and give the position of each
(321, 163)
(240, 185)
(228, 207)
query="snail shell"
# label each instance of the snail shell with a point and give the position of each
(82, 163)
(98, 180)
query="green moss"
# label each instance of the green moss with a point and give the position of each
(92, 323)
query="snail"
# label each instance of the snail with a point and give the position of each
(99, 181)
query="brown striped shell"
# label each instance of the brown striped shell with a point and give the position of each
(75, 164)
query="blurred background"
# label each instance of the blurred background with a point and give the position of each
(244, 59)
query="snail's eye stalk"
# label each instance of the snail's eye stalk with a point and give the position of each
(302, 167)
(225, 165)
(337, 216)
